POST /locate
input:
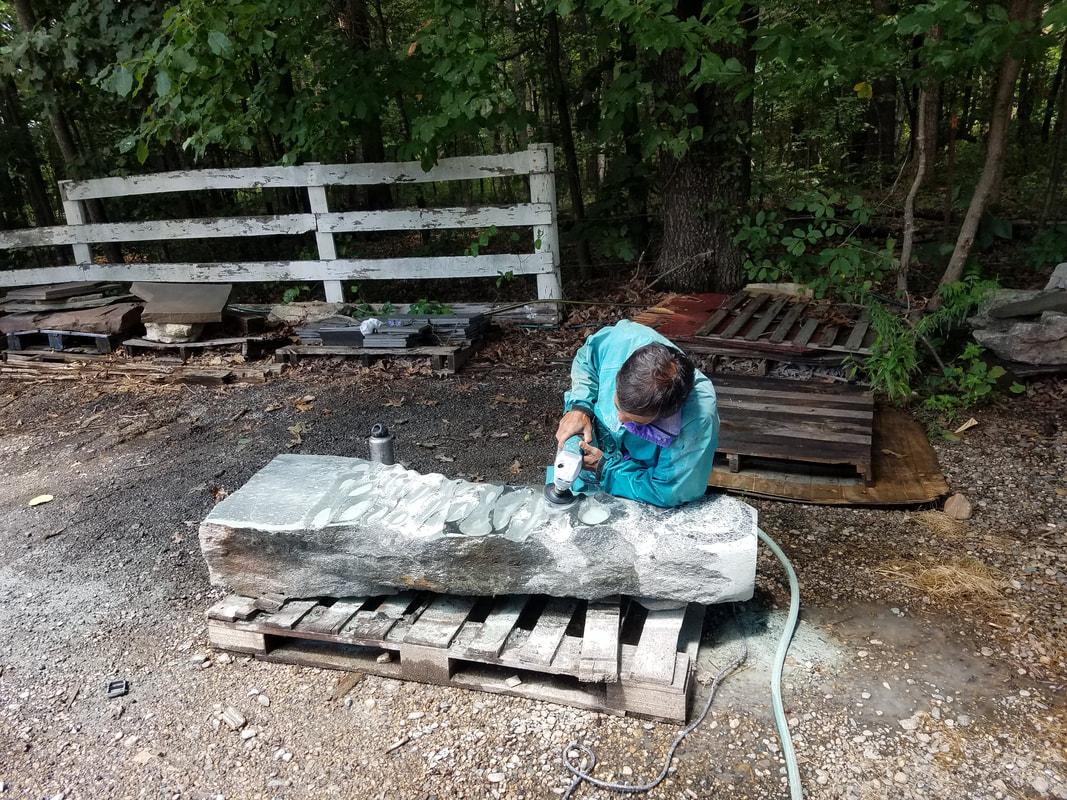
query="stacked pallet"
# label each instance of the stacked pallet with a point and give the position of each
(447, 339)
(62, 316)
(611, 655)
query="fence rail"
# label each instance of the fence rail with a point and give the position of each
(539, 214)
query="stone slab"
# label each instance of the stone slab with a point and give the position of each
(1039, 338)
(182, 303)
(329, 526)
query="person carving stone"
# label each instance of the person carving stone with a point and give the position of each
(648, 418)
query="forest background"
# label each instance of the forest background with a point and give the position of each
(901, 156)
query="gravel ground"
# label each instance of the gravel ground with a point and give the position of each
(891, 691)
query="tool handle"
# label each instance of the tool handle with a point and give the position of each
(573, 444)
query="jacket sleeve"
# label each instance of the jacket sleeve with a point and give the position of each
(679, 475)
(585, 382)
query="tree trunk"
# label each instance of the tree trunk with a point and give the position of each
(1026, 11)
(926, 120)
(1053, 93)
(358, 27)
(65, 140)
(566, 135)
(517, 72)
(878, 142)
(1056, 147)
(950, 179)
(1024, 111)
(21, 146)
(703, 190)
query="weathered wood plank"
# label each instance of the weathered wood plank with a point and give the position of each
(290, 614)
(426, 664)
(600, 643)
(447, 169)
(324, 241)
(568, 657)
(374, 625)
(230, 638)
(500, 622)
(333, 618)
(746, 313)
(159, 230)
(340, 269)
(788, 321)
(859, 331)
(654, 659)
(548, 631)
(189, 181)
(232, 608)
(719, 315)
(855, 399)
(794, 448)
(816, 434)
(806, 330)
(657, 701)
(522, 214)
(765, 320)
(74, 211)
(438, 625)
(829, 336)
(545, 235)
(810, 408)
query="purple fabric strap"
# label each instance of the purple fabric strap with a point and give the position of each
(662, 432)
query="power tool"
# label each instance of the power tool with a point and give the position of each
(566, 467)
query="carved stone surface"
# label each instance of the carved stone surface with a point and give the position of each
(328, 526)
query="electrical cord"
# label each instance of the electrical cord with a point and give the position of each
(581, 775)
(796, 791)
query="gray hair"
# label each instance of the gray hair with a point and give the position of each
(654, 381)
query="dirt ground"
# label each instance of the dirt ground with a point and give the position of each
(929, 662)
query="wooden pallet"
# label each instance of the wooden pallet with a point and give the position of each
(794, 421)
(252, 347)
(60, 340)
(786, 321)
(444, 359)
(612, 656)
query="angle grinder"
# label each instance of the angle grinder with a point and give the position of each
(565, 470)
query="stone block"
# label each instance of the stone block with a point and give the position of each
(328, 526)
(1023, 326)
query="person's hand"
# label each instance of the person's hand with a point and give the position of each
(590, 456)
(574, 423)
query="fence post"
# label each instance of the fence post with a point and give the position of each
(327, 248)
(546, 237)
(74, 211)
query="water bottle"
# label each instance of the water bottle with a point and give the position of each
(381, 445)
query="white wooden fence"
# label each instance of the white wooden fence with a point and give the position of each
(539, 214)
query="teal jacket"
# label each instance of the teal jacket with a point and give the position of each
(634, 467)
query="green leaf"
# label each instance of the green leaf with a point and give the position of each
(184, 61)
(142, 151)
(163, 83)
(123, 81)
(218, 43)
